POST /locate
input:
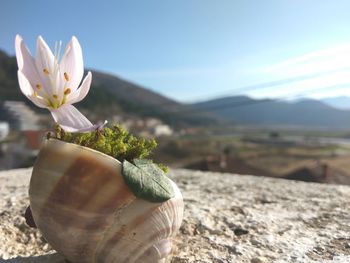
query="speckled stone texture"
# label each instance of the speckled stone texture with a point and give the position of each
(228, 218)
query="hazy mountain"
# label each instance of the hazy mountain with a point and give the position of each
(306, 113)
(341, 102)
(110, 95)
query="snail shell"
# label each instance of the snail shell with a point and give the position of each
(86, 212)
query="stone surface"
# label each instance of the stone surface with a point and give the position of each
(228, 218)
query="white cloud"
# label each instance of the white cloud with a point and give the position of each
(326, 71)
(336, 56)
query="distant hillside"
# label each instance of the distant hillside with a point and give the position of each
(110, 95)
(132, 98)
(341, 102)
(9, 89)
(306, 113)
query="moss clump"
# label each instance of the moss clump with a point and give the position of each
(114, 141)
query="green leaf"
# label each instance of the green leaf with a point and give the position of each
(147, 181)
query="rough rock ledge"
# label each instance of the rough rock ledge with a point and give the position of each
(228, 218)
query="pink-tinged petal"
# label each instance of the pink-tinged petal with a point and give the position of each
(38, 101)
(70, 119)
(25, 61)
(83, 90)
(45, 63)
(28, 91)
(72, 64)
(59, 85)
(24, 84)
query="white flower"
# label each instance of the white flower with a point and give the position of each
(53, 84)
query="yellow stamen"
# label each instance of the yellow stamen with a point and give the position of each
(50, 104)
(66, 76)
(38, 86)
(67, 91)
(35, 94)
(55, 96)
(46, 71)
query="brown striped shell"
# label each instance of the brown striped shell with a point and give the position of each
(84, 209)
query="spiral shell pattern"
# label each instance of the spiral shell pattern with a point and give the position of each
(86, 212)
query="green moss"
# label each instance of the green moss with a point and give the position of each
(114, 141)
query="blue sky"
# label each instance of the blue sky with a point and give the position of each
(195, 49)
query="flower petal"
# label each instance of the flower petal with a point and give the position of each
(58, 85)
(25, 61)
(24, 84)
(70, 119)
(83, 90)
(72, 64)
(28, 91)
(45, 61)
